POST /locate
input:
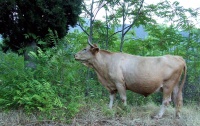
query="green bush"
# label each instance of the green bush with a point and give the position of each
(52, 85)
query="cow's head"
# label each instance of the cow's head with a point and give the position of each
(86, 54)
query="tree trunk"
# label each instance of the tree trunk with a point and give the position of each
(123, 28)
(30, 61)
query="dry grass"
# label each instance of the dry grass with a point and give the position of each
(98, 114)
(20, 118)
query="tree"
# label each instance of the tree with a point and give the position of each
(34, 18)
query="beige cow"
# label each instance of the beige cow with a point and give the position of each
(143, 75)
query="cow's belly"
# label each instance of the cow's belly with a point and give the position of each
(144, 87)
(143, 81)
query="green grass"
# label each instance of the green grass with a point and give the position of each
(96, 113)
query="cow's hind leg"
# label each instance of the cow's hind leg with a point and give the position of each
(168, 87)
(178, 103)
(175, 93)
(178, 100)
(165, 103)
(167, 91)
(112, 97)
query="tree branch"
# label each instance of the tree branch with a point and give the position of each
(114, 34)
(99, 7)
(129, 27)
(83, 29)
(85, 9)
(91, 22)
(137, 16)
(117, 32)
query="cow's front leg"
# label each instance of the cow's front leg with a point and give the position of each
(112, 97)
(122, 92)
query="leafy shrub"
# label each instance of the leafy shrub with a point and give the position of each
(52, 85)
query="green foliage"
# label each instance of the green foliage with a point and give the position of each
(52, 86)
(35, 95)
(19, 18)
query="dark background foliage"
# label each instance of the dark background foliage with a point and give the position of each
(19, 17)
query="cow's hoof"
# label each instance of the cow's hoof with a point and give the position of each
(178, 116)
(157, 117)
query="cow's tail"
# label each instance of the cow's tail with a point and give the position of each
(179, 98)
(184, 78)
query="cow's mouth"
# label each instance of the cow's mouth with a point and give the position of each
(76, 58)
(80, 60)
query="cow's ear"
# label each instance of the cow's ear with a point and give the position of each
(95, 50)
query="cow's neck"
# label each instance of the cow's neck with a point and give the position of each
(100, 61)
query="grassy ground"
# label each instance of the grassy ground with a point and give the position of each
(98, 114)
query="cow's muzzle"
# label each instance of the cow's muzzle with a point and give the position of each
(75, 57)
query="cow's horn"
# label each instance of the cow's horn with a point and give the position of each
(89, 42)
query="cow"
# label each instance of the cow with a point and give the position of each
(119, 72)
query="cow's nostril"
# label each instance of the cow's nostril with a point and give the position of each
(75, 56)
